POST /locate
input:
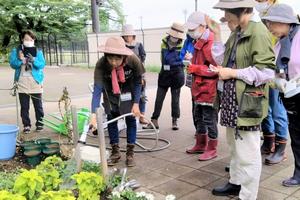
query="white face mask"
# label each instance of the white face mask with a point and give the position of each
(28, 43)
(262, 7)
(195, 34)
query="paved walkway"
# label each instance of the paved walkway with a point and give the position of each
(170, 171)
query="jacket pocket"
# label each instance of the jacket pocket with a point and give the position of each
(251, 105)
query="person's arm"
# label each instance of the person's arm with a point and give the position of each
(252, 75)
(39, 61)
(96, 99)
(217, 51)
(14, 60)
(142, 53)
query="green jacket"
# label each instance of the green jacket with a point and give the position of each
(254, 49)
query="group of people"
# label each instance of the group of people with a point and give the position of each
(244, 80)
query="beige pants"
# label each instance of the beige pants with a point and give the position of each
(245, 163)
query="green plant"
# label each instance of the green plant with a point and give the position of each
(5, 195)
(56, 162)
(88, 166)
(89, 184)
(29, 184)
(57, 195)
(153, 68)
(50, 176)
(69, 170)
(7, 180)
(129, 194)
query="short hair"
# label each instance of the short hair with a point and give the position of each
(239, 11)
(27, 32)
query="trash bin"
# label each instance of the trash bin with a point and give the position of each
(8, 135)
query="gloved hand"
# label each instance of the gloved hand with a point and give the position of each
(280, 84)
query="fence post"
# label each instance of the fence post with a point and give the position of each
(49, 44)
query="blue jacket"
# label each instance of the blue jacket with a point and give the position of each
(187, 46)
(170, 56)
(38, 65)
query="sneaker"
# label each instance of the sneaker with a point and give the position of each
(39, 128)
(26, 130)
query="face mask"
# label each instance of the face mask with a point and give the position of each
(195, 34)
(28, 43)
(173, 39)
(262, 7)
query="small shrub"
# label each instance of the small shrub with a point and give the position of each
(57, 195)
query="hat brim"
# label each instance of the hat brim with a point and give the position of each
(191, 26)
(176, 34)
(280, 19)
(125, 51)
(232, 5)
(129, 34)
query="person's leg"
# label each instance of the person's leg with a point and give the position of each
(175, 107)
(39, 111)
(142, 106)
(131, 139)
(210, 119)
(25, 105)
(113, 133)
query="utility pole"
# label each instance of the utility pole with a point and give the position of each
(142, 30)
(95, 16)
(196, 5)
(185, 14)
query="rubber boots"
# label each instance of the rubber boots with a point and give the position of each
(211, 151)
(201, 144)
(115, 155)
(268, 145)
(279, 153)
(174, 124)
(129, 155)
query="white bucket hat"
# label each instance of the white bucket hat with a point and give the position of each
(281, 13)
(128, 30)
(231, 4)
(177, 30)
(195, 19)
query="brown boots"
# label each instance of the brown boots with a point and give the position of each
(129, 155)
(268, 145)
(279, 153)
(116, 155)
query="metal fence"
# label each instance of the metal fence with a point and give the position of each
(60, 50)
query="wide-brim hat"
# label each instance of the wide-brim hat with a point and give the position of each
(115, 45)
(231, 4)
(194, 20)
(281, 13)
(177, 30)
(128, 30)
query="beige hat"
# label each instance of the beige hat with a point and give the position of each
(115, 45)
(230, 4)
(177, 30)
(195, 19)
(127, 30)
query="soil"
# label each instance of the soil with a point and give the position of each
(19, 161)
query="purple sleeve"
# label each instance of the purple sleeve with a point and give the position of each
(217, 52)
(252, 75)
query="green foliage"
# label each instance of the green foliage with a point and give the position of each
(89, 184)
(115, 180)
(69, 170)
(50, 175)
(29, 184)
(57, 195)
(56, 162)
(129, 194)
(91, 167)
(7, 180)
(5, 195)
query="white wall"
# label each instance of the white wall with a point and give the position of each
(152, 42)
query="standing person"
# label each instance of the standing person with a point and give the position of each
(118, 75)
(275, 125)
(204, 88)
(28, 62)
(129, 36)
(282, 23)
(171, 75)
(248, 64)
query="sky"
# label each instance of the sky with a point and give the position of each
(162, 13)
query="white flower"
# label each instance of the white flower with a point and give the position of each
(170, 197)
(116, 194)
(141, 194)
(149, 197)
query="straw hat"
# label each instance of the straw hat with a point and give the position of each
(115, 45)
(177, 30)
(230, 4)
(127, 30)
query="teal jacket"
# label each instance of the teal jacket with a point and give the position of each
(38, 65)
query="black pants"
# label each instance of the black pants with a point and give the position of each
(25, 105)
(293, 109)
(206, 120)
(160, 97)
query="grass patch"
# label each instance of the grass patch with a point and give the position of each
(153, 68)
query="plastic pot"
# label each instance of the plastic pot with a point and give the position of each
(33, 157)
(52, 145)
(50, 152)
(43, 141)
(32, 146)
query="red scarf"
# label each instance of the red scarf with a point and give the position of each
(117, 75)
